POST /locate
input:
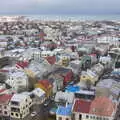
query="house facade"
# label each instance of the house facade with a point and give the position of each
(40, 96)
(18, 80)
(20, 105)
(4, 105)
(101, 108)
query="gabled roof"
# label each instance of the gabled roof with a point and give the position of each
(45, 83)
(38, 92)
(19, 97)
(22, 64)
(51, 59)
(5, 98)
(82, 106)
(102, 106)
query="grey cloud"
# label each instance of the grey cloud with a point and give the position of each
(59, 6)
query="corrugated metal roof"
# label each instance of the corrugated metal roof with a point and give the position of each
(82, 106)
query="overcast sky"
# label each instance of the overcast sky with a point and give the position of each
(59, 6)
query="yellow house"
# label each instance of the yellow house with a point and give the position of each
(89, 76)
(46, 86)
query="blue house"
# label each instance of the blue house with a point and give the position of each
(64, 113)
(73, 89)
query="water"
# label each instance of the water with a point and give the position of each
(74, 17)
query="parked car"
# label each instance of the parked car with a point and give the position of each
(34, 113)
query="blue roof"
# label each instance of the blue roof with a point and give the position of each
(65, 111)
(73, 89)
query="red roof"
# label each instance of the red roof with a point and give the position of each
(45, 83)
(4, 99)
(82, 106)
(51, 59)
(2, 90)
(42, 34)
(4, 70)
(22, 64)
(102, 106)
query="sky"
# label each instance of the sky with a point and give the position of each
(59, 7)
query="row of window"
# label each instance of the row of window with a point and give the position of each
(60, 118)
(5, 112)
(96, 118)
(18, 114)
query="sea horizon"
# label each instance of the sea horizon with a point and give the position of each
(73, 17)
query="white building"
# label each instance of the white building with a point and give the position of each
(18, 80)
(20, 105)
(64, 97)
(40, 96)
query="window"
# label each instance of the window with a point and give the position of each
(5, 112)
(67, 118)
(0, 111)
(60, 118)
(97, 118)
(15, 109)
(12, 114)
(5, 107)
(73, 116)
(87, 116)
(80, 117)
(14, 103)
(17, 114)
(93, 117)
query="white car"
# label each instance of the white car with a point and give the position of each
(33, 113)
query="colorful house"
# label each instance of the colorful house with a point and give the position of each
(64, 113)
(20, 105)
(67, 74)
(46, 86)
(4, 104)
(101, 108)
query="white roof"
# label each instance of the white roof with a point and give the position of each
(18, 74)
(86, 92)
(38, 92)
(69, 97)
(19, 97)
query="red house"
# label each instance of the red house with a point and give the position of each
(4, 103)
(51, 59)
(22, 64)
(67, 74)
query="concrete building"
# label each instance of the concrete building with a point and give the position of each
(4, 104)
(18, 80)
(100, 108)
(20, 105)
(40, 96)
